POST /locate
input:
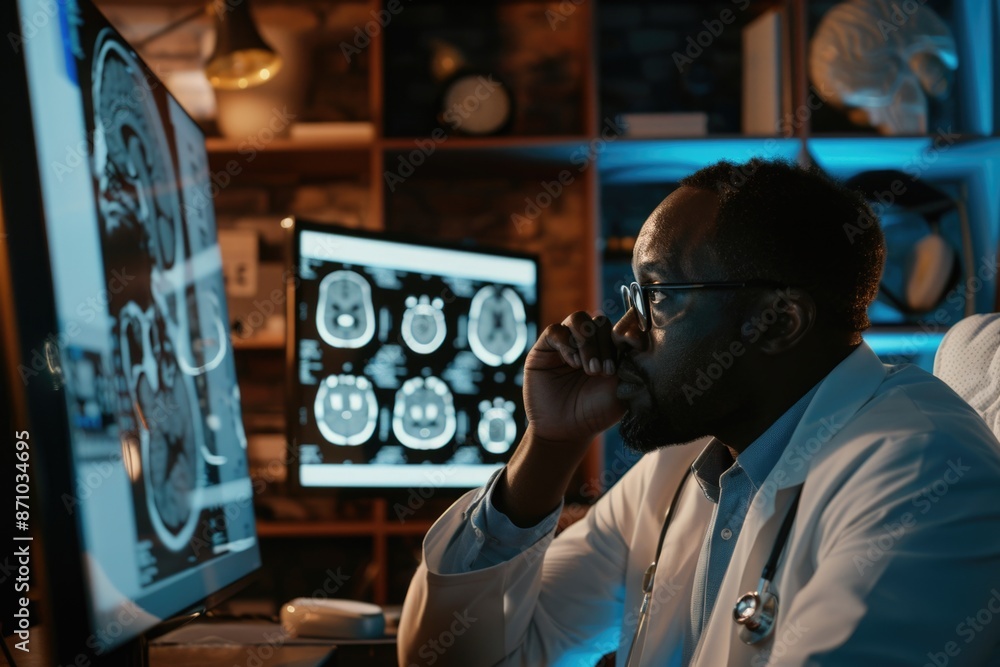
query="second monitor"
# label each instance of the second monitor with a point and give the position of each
(406, 359)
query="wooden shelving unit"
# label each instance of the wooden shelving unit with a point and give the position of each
(379, 528)
(500, 170)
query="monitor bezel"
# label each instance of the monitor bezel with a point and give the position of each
(27, 294)
(293, 231)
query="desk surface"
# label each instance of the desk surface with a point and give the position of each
(262, 644)
(250, 643)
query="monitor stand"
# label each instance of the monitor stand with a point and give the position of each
(134, 653)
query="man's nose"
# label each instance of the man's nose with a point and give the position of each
(626, 334)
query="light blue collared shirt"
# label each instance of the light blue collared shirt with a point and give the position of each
(731, 485)
(489, 537)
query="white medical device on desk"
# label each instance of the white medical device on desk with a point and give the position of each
(339, 619)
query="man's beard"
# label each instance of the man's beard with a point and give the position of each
(643, 433)
(654, 430)
(648, 428)
(664, 421)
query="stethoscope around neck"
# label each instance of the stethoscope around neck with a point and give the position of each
(755, 612)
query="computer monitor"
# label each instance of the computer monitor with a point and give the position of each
(405, 359)
(119, 374)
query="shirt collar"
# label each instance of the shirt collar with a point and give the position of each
(758, 459)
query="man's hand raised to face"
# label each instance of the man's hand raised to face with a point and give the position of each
(569, 394)
(569, 381)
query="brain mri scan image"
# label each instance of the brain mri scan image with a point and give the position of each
(497, 325)
(424, 414)
(167, 440)
(434, 338)
(164, 406)
(169, 380)
(131, 153)
(143, 386)
(206, 347)
(345, 316)
(346, 410)
(497, 428)
(424, 326)
(131, 156)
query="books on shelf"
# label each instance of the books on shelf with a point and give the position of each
(661, 125)
(359, 132)
(767, 80)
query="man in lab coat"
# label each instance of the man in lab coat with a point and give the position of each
(739, 368)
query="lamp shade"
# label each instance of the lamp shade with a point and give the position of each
(242, 59)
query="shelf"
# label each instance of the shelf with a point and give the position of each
(216, 145)
(321, 158)
(665, 160)
(492, 156)
(952, 153)
(459, 142)
(339, 528)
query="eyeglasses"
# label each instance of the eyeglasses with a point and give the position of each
(637, 296)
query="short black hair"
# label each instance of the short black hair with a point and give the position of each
(779, 221)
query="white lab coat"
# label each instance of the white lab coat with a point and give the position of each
(895, 547)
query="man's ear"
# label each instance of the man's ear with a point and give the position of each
(786, 315)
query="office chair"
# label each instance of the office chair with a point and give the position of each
(968, 360)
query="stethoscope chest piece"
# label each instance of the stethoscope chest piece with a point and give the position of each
(756, 612)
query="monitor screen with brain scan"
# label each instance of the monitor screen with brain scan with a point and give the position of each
(407, 360)
(157, 501)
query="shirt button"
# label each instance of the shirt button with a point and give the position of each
(726, 533)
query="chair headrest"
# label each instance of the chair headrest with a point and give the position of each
(968, 360)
